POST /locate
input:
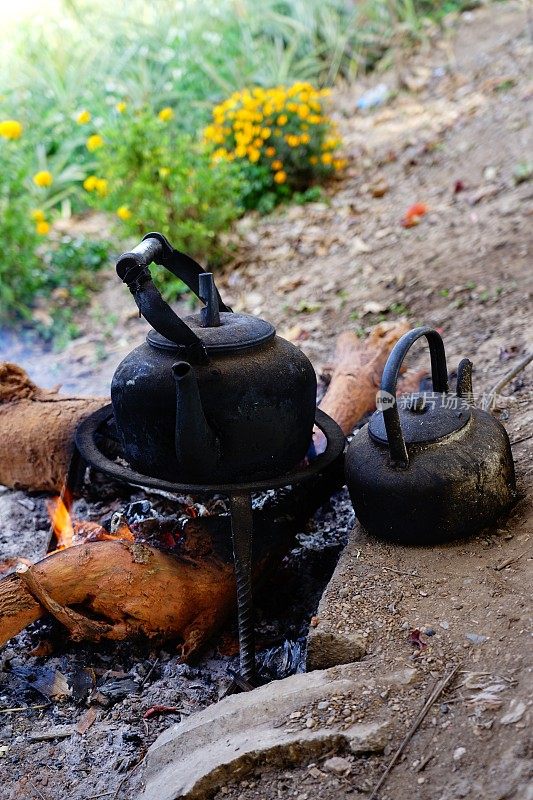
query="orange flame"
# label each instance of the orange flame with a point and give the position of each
(61, 523)
(69, 531)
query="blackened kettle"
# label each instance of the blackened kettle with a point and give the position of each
(430, 466)
(215, 397)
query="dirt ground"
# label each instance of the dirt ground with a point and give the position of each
(455, 136)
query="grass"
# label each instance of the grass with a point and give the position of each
(185, 54)
(191, 54)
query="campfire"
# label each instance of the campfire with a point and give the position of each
(119, 572)
(177, 576)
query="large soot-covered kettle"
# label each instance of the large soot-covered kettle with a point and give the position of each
(215, 397)
(433, 467)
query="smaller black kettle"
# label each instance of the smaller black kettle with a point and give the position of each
(433, 468)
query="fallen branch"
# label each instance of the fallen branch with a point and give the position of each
(507, 378)
(435, 694)
(510, 560)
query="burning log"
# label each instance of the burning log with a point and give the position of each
(37, 431)
(128, 589)
(104, 589)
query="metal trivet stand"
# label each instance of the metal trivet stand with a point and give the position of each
(99, 428)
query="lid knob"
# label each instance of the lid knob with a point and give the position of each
(418, 404)
(209, 315)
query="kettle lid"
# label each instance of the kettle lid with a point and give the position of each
(234, 332)
(425, 417)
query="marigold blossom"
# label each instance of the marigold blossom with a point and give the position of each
(124, 213)
(166, 114)
(43, 178)
(94, 142)
(10, 129)
(83, 117)
(42, 228)
(101, 187)
(90, 182)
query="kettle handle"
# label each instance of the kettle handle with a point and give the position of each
(132, 268)
(389, 380)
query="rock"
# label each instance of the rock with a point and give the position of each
(458, 753)
(327, 647)
(516, 711)
(338, 765)
(476, 638)
(194, 758)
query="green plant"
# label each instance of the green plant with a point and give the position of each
(67, 277)
(155, 178)
(281, 139)
(19, 265)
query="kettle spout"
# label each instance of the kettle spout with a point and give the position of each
(197, 447)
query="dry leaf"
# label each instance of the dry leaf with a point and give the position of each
(83, 725)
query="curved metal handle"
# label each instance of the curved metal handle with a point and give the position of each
(439, 375)
(132, 268)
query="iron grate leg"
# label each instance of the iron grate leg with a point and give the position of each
(241, 530)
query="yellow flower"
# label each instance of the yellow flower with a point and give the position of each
(240, 151)
(83, 117)
(89, 184)
(326, 158)
(270, 151)
(277, 165)
(293, 141)
(313, 160)
(94, 142)
(164, 172)
(38, 215)
(101, 187)
(303, 111)
(280, 177)
(331, 143)
(10, 129)
(265, 133)
(339, 163)
(220, 154)
(42, 228)
(123, 213)
(121, 106)
(282, 119)
(43, 178)
(166, 114)
(304, 138)
(258, 143)
(253, 154)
